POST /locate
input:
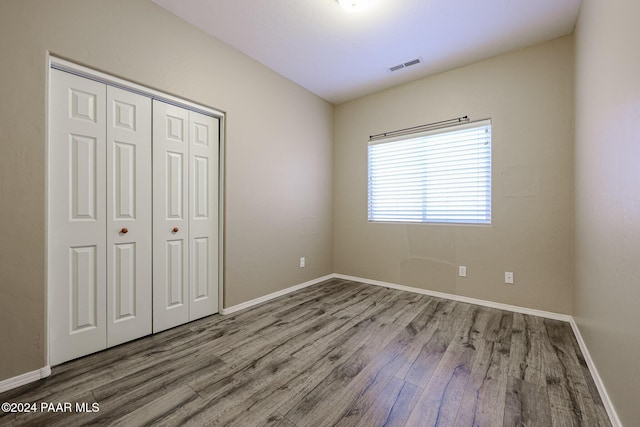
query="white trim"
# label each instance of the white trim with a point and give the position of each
(468, 300)
(273, 295)
(222, 148)
(54, 62)
(613, 416)
(90, 73)
(608, 405)
(47, 213)
(26, 378)
(36, 375)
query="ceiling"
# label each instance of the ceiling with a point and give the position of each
(342, 55)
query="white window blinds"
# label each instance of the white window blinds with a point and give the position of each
(443, 175)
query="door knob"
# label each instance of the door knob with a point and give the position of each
(175, 229)
(124, 230)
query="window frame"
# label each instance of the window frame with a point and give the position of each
(484, 181)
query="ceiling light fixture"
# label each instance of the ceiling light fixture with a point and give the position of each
(354, 5)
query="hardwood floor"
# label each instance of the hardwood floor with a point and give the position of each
(338, 353)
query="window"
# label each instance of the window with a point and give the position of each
(441, 176)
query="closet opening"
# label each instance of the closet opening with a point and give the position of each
(134, 211)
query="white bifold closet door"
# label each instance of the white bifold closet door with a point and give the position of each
(185, 210)
(129, 233)
(99, 216)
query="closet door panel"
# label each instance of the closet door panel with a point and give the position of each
(132, 216)
(76, 227)
(171, 216)
(203, 208)
(128, 216)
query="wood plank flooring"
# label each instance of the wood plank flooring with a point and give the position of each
(338, 353)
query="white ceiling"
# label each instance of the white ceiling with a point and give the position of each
(342, 55)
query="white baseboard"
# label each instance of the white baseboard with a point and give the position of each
(26, 378)
(265, 298)
(38, 374)
(501, 306)
(468, 300)
(613, 415)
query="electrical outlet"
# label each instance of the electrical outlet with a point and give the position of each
(462, 271)
(508, 277)
(302, 262)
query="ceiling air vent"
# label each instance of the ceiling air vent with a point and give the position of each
(405, 65)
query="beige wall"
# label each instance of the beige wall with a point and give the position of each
(529, 96)
(607, 196)
(278, 150)
(280, 161)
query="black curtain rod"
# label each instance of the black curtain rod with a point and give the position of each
(419, 128)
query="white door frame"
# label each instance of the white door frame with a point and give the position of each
(73, 68)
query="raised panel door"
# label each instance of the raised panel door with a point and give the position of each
(203, 210)
(77, 221)
(170, 216)
(129, 289)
